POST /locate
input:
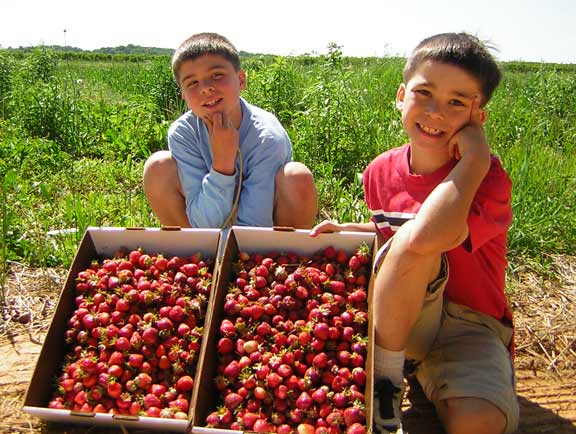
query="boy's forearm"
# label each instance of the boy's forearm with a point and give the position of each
(328, 226)
(358, 227)
(441, 223)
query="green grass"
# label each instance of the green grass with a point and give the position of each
(74, 135)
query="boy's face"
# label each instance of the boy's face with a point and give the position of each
(210, 84)
(436, 103)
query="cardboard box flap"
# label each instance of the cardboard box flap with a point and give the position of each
(67, 416)
(298, 241)
(154, 240)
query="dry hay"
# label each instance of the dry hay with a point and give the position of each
(544, 311)
(29, 298)
(545, 319)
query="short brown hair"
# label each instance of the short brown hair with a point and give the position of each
(460, 49)
(201, 44)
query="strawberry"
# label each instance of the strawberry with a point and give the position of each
(354, 263)
(184, 384)
(329, 253)
(354, 414)
(233, 400)
(135, 360)
(189, 269)
(114, 390)
(305, 428)
(341, 257)
(151, 400)
(356, 428)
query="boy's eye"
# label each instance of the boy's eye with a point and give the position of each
(217, 76)
(457, 103)
(424, 92)
(191, 83)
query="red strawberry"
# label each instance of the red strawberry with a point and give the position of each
(232, 400)
(151, 400)
(354, 263)
(356, 428)
(354, 415)
(341, 257)
(114, 390)
(134, 360)
(184, 384)
(305, 428)
(190, 269)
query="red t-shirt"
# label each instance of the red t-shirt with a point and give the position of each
(477, 266)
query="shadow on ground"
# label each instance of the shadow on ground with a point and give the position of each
(546, 406)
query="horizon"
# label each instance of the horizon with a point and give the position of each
(73, 49)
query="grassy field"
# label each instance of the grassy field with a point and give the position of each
(75, 132)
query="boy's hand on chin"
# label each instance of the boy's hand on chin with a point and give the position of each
(470, 141)
(224, 142)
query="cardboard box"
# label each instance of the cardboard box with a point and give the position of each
(265, 240)
(98, 243)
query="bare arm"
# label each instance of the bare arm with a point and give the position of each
(440, 224)
(332, 226)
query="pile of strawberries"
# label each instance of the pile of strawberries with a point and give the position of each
(135, 335)
(293, 343)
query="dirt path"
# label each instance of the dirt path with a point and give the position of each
(545, 337)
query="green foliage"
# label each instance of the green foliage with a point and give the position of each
(157, 82)
(278, 88)
(40, 66)
(76, 128)
(6, 71)
(331, 127)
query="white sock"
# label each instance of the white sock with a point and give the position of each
(389, 364)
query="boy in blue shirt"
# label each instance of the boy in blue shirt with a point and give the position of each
(229, 162)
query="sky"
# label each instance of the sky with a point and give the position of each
(529, 30)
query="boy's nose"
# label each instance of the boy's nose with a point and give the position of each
(207, 87)
(434, 110)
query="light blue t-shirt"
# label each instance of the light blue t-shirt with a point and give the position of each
(265, 147)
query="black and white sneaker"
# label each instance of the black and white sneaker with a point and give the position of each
(387, 404)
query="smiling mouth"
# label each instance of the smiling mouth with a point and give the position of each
(430, 131)
(212, 103)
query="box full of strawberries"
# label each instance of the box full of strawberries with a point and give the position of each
(243, 330)
(124, 343)
(288, 344)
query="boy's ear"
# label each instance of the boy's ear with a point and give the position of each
(400, 93)
(483, 116)
(242, 79)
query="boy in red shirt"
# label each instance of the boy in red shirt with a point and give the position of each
(441, 206)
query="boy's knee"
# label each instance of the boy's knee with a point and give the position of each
(472, 416)
(160, 175)
(159, 164)
(296, 200)
(401, 244)
(406, 258)
(295, 177)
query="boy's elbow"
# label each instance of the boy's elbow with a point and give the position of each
(460, 238)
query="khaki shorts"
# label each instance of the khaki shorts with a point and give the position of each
(459, 352)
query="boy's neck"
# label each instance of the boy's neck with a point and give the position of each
(423, 163)
(237, 116)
